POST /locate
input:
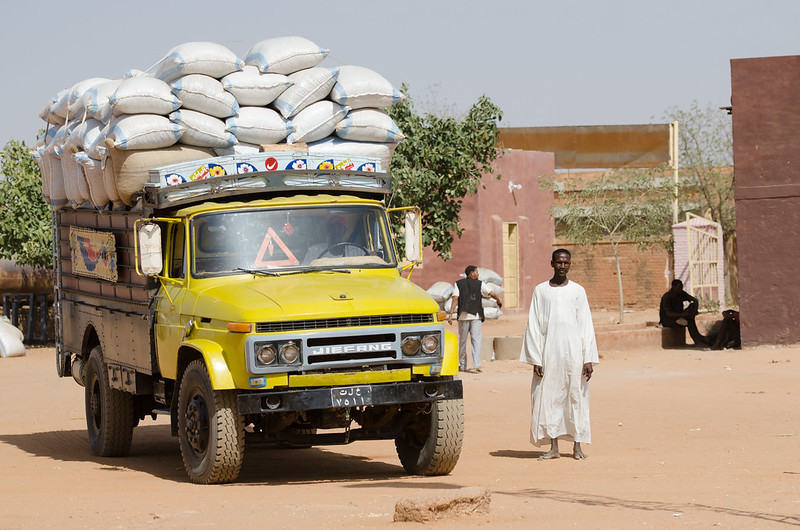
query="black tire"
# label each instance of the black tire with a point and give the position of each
(210, 428)
(432, 444)
(109, 412)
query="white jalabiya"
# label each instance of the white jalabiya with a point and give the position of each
(560, 338)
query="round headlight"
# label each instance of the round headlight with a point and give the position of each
(410, 345)
(266, 354)
(290, 353)
(430, 343)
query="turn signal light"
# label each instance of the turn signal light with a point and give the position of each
(240, 327)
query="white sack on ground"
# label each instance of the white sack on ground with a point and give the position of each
(441, 291)
(10, 339)
(259, 125)
(209, 58)
(359, 87)
(308, 87)
(368, 125)
(252, 88)
(204, 94)
(202, 130)
(316, 121)
(285, 55)
(490, 276)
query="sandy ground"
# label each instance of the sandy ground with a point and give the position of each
(686, 438)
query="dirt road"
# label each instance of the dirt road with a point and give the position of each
(681, 439)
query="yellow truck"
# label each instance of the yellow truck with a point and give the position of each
(255, 299)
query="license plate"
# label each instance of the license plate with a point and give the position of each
(351, 396)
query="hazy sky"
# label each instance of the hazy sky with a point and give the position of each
(561, 62)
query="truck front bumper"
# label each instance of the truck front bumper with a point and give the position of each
(349, 396)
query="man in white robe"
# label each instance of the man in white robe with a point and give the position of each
(560, 344)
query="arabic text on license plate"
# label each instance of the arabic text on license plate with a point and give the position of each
(351, 396)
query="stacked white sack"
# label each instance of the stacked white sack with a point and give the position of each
(201, 101)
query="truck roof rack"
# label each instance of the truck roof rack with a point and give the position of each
(233, 175)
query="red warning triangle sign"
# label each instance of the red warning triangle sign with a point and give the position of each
(267, 252)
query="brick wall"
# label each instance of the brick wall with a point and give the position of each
(645, 274)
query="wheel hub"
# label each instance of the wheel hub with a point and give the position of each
(197, 424)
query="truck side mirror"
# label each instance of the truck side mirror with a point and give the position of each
(413, 233)
(149, 236)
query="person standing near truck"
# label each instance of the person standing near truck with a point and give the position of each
(560, 343)
(467, 301)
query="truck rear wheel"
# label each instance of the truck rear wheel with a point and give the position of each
(431, 445)
(109, 412)
(210, 429)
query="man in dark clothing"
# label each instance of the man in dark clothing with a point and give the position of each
(467, 304)
(672, 314)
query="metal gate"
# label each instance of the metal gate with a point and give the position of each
(706, 260)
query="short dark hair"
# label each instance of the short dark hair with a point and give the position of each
(677, 283)
(469, 269)
(560, 251)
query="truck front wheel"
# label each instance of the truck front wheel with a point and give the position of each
(109, 412)
(210, 429)
(431, 445)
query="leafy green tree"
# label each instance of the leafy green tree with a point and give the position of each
(621, 205)
(706, 166)
(440, 162)
(25, 230)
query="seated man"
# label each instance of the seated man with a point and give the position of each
(672, 314)
(730, 331)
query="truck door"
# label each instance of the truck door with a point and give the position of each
(171, 316)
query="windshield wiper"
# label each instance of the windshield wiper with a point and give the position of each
(306, 271)
(257, 271)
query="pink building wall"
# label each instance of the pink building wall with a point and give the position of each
(482, 217)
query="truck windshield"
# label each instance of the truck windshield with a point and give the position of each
(275, 240)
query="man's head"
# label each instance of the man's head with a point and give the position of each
(561, 261)
(677, 286)
(471, 272)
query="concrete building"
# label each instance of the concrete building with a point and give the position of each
(766, 152)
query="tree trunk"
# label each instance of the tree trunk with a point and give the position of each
(619, 283)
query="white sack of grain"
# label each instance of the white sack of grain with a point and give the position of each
(96, 100)
(259, 125)
(359, 87)
(131, 169)
(11, 339)
(75, 186)
(316, 121)
(441, 291)
(76, 106)
(48, 114)
(242, 148)
(93, 171)
(142, 131)
(204, 94)
(143, 95)
(336, 146)
(208, 58)
(202, 130)
(368, 125)
(58, 195)
(489, 276)
(308, 87)
(89, 137)
(252, 88)
(285, 55)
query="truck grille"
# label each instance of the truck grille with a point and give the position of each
(324, 323)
